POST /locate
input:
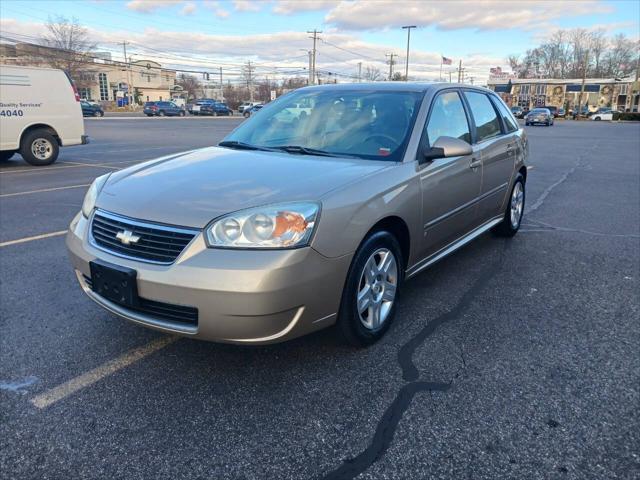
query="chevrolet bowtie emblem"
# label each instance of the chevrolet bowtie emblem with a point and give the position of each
(127, 237)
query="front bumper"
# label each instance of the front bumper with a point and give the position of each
(242, 296)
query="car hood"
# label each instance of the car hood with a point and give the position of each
(192, 188)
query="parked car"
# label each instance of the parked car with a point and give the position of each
(250, 111)
(246, 105)
(517, 111)
(161, 109)
(552, 109)
(198, 104)
(561, 112)
(286, 228)
(217, 109)
(602, 114)
(91, 109)
(539, 115)
(39, 113)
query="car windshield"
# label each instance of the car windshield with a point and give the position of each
(368, 124)
(539, 110)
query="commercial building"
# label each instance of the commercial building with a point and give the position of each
(98, 77)
(619, 94)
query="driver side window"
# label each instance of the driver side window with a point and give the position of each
(448, 118)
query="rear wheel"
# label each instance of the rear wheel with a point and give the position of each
(39, 148)
(182, 113)
(515, 209)
(370, 294)
(161, 113)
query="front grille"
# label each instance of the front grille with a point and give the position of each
(160, 310)
(157, 243)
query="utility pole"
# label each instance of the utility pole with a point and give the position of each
(449, 76)
(391, 63)
(315, 39)
(310, 81)
(128, 64)
(359, 72)
(406, 68)
(584, 77)
(460, 77)
(221, 88)
(249, 70)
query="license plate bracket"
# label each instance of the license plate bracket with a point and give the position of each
(115, 283)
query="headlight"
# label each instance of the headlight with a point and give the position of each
(273, 226)
(92, 195)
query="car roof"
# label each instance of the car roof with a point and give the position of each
(395, 86)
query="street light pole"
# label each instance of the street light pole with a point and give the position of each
(406, 69)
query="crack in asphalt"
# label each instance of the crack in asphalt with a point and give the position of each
(539, 226)
(388, 424)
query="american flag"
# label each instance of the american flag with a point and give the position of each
(446, 61)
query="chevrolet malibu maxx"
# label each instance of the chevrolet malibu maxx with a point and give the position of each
(294, 223)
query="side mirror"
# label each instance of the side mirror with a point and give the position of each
(445, 147)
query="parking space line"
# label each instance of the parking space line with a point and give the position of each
(43, 190)
(62, 391)
(68, 164)
(35, 237)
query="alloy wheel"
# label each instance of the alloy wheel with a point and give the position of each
(517, 204)
(377, 288)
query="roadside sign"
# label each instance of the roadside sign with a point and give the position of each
(273, 94)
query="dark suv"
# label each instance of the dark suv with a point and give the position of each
(91, 109)
(162, 109)
(552, 109)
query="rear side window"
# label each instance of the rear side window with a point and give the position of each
(487, 123)
(448, 118)
(509, 122)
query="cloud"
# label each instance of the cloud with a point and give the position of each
(189, 8)
(149, 6)
(289, 7)
(246, 6)
(452, 15)
(276, 54)
(216, 8)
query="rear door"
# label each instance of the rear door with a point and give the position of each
(450, 186)
(495, 149)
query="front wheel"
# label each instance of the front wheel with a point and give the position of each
(39, 148)
(515, 209)
(182, 114)
(370, 293)
(161, 113)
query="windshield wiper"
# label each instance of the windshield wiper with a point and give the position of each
(306, 151)
(242, 146)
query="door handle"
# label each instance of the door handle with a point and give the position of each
(511, 149)
(475, 163)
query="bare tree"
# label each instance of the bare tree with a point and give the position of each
(371, 74)
(72, 46)
(190, 84)
(564, 54)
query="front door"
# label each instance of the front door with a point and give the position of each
(450, 186)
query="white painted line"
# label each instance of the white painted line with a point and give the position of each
(60, 392)
(530, 167)
(43, 190)
(35, 237)
(68, 164)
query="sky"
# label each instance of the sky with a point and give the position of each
(203, 35)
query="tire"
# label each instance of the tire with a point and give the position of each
(161, 113)
(245, 115)
(597, 119)
(101, 113)
(509, 226)
(6, 155)
(363, 329)
(182, 114)
(42, 142)
(97, 113)
(149, 115)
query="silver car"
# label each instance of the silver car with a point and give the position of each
(539, 115)
(298, 221)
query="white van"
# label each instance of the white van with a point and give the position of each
(39, 113)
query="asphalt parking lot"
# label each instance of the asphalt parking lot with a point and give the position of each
(510, 359)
